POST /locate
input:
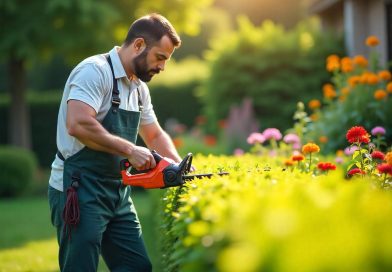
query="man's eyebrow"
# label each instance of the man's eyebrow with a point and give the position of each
(161, 55)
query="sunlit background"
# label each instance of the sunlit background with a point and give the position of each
(244, 66)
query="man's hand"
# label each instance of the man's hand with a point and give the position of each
(141, 158)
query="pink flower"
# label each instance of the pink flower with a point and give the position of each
(339, 160)
(238, 152)
(378, 131)
(350, 150)
(255, 137)
(291, 138)
(272, 133)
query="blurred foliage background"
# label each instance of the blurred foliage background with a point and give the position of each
(232, 50)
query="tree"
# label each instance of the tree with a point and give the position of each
(75, 29)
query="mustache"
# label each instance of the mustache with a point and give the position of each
(156, 71)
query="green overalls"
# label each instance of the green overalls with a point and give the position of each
(108, 220)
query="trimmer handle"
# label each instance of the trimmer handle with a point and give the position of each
(125, 164)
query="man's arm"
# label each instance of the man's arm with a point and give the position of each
(157, 139)
(83, 125)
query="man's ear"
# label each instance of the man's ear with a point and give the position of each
(139, 44)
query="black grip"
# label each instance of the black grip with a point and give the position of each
(156, 156)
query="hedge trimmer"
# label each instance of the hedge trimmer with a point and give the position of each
(167, 173)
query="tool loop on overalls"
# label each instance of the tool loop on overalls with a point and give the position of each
(71, 212)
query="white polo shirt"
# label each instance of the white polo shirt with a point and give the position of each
(91, 82)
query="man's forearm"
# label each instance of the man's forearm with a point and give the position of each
(163, 144)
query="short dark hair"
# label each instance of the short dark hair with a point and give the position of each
(152, 28)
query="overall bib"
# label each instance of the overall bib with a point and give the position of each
(108, 220)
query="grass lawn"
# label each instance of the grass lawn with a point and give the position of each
(28, 240)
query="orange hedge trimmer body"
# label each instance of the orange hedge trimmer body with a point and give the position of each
(165, 174)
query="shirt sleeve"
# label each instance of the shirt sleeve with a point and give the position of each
(148, 114)
(89, 84)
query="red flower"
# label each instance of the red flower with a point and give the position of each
(378, 155)
(357, 134)
(210, 140)
(385, 168)
(298, 157)
(355, 171)
(325, 166)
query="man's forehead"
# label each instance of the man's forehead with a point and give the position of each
(164, 47)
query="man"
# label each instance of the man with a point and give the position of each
(104, 101)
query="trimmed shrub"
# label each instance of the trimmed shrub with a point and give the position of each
(261, 218)
(17, 170)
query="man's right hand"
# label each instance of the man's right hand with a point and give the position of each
(141, 158)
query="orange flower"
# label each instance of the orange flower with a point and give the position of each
(342, 98)
(323, 139)
(288, 162)
(310, 148)
(354, 80)
(357, 134)
(298, 157)
(222, 123)
(385, 75)
(360, 61)
(372, 79)
(314, 104)
(339, 153)
(333, 63)
(329, 91)
(314, 117)
(380, 94)
(347, 65)
(372, 41)
(389, 87)
(388, 158)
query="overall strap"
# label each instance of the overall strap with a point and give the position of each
(115, 93)
(116, 101)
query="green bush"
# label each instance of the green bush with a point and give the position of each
(17, 170)
(272, 66)
(260, 218)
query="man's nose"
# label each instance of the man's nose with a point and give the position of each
(161, 66)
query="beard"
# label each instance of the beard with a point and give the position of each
(141, 68)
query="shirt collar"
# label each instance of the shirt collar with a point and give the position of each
(118, 68)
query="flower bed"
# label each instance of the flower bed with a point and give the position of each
(265, 216)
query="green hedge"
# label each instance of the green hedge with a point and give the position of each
(17, 170)
(260, 218)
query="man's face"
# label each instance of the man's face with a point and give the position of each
(153, 60)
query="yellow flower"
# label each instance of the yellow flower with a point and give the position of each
(314, 104)
(389, 87)
(288, 162)
(360, 61)
(388, 158)
(380, 94)
(385, 75)
(372, 41)
(310, 148)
